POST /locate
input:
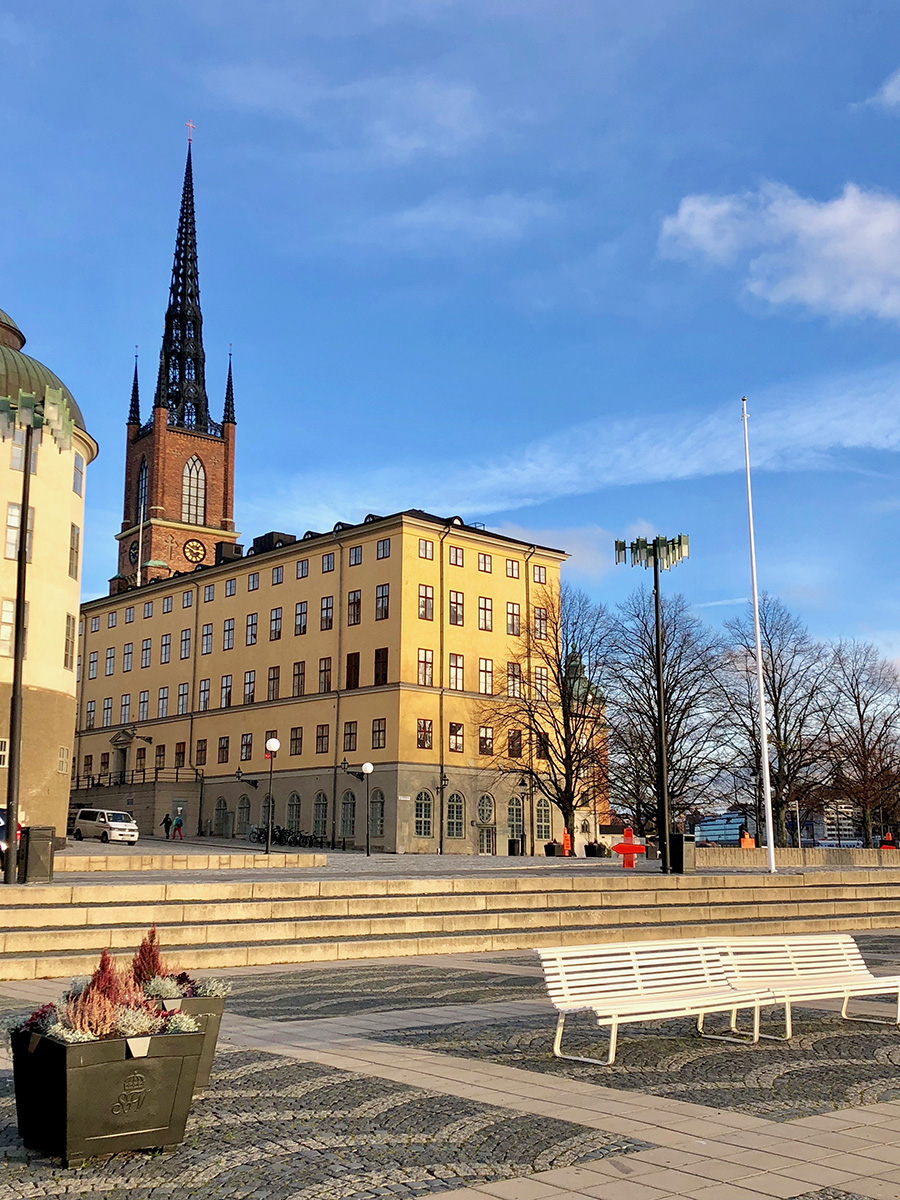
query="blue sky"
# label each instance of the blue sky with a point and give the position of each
(514, 259)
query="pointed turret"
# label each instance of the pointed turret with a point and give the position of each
(228, 418)
(134, 412)
(181, 386)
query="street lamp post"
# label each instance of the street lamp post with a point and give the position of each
(662, 554)
(30, 415)
(363, 774)
(272, 747)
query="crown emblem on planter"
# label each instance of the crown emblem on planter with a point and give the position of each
(134, 1082)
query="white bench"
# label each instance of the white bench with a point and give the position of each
(802, 967)
(646, 981)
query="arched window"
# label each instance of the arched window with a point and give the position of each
(221, 825)
(456, 814)
(348, 815)
(264, 812)
(423, 814)
(143, 478)
(243, 815)
(515, 817)
(376, 814)
(485, 810)
(320, 815)
(293, 812)
(542, 825)
(193, 492)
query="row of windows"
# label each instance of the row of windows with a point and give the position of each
(273, 689)
(457, 609)
(17, 461)
(14, 525)
(7, 633)
(383, 550)
(456, 680)
(273, 692)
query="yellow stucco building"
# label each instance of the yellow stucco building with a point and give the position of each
(377, 642)
(55, 525)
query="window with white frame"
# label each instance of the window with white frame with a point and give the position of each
(484, 563)
(540, 574)
(193, 492)
(456, 815)
(513, 619)
(486, 676)
(512, 568)
(455, 682)
(426, 668)
(456, 556)
(423, 817)
(426, 548)
(541, 683)
(457, 608)
(485, 613)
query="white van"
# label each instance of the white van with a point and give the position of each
(106, 825)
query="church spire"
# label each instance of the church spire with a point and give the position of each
(134, 412)
(181, 386)
(228, 418)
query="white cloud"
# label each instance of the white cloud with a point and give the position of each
(449, 216)
(810, 426)
(838, 257)
(395, 117)
(888, 95)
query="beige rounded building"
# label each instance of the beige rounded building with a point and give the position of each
(55, 527)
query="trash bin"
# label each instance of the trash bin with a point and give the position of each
(36, 854)
(652, 850)
(681, 853)
(514, 847)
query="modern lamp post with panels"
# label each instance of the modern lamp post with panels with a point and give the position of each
(32, 416)
(662, 554)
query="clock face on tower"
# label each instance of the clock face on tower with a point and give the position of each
(194, 551)
(133, 553)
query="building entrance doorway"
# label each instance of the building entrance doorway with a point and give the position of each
(487, 839)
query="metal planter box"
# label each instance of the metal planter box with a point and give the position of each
(210, 1007)
(78, 1100)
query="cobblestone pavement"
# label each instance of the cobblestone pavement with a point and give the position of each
(829, 1064)
(291, 995)
(272, 1127)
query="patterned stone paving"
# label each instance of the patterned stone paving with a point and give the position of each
(333, 992)
(829, 1064)
(276, 1128)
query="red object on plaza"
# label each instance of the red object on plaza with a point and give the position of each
(628, 848)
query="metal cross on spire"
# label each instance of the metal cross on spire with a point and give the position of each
(190, 126)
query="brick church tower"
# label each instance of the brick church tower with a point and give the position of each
(179, 465)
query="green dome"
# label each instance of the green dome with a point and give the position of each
(19, 371)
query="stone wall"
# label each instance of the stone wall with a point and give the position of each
(733, 856)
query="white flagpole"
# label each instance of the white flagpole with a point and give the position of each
(760, 682)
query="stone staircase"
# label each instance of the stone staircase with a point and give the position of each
(59, 929)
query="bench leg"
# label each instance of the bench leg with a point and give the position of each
(871, 1020)
(596, 1062)
(740, 1038)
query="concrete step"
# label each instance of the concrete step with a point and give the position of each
(355, 946)
(59, 930)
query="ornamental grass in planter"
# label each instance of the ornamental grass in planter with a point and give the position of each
(104, 1070)
(172, 990)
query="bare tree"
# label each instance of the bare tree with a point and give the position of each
(547, 717)
(863, 734)
(691, 658)
(799, 701)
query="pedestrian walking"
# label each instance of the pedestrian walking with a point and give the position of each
(166, 823)
(176, 831)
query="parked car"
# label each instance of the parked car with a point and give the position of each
(106, 825)
(3, 838)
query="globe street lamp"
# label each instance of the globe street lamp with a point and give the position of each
(363, 774)
(272, 747)
(662, 553)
